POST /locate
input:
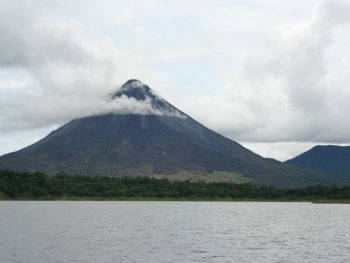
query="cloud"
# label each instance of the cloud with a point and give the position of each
(293, 85)
(125, 105)
(68, 72)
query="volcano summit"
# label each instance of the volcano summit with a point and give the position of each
(153, 138)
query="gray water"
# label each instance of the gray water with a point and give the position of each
(173, 232)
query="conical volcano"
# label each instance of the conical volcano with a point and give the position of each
(150, 138)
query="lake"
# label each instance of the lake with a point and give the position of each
(113, 231)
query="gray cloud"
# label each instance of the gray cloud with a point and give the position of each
(68, 73)
(293, 85)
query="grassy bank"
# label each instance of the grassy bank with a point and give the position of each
(38, 186)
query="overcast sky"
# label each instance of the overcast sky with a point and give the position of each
(273, 75)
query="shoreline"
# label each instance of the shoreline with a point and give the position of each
(166, 199)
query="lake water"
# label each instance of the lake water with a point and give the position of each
(52, 231)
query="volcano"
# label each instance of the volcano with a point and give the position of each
(150, 137)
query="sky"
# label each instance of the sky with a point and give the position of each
(270, 74)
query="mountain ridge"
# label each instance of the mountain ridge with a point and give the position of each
(324, 158)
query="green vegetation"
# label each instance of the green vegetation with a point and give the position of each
(43, 187)
(233, 177)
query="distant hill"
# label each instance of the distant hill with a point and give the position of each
(325, 158)
(154, 139)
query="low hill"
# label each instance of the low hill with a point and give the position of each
(325, 158)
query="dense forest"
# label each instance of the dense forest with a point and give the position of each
(40, 186)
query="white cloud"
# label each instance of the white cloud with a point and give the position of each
(68, 72)
(293, 85)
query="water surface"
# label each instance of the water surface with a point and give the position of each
(54, 231)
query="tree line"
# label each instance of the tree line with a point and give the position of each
(41, 186)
